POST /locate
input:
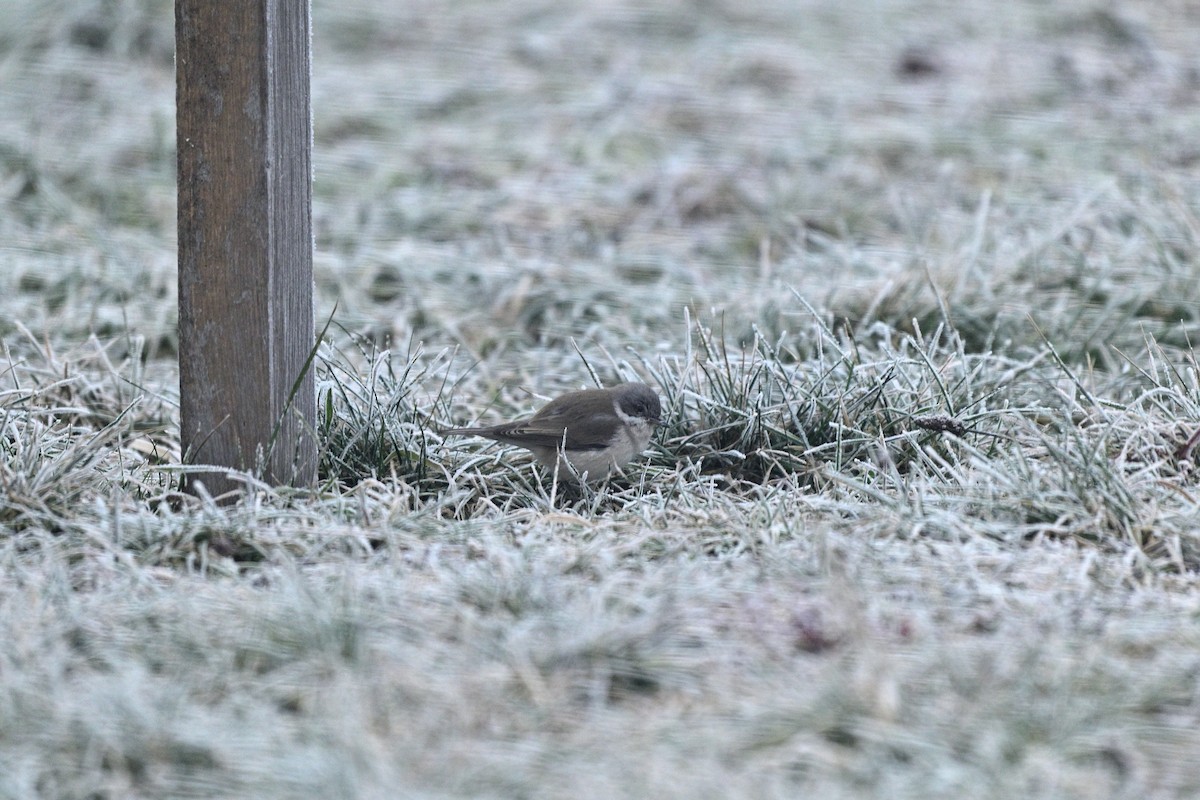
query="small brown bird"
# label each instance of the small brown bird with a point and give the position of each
(596, 431)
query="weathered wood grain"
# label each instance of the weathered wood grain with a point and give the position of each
(244, 131)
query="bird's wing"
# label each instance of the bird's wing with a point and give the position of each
(545, 431)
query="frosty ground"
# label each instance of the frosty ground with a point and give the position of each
(917, 282)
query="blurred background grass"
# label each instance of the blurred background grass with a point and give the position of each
(508, 175)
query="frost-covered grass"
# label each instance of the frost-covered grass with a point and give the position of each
(916, 281)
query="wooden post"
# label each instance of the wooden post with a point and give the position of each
(244, 135)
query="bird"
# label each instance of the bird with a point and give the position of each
(590, 433)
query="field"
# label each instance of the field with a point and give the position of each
(918, 283)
